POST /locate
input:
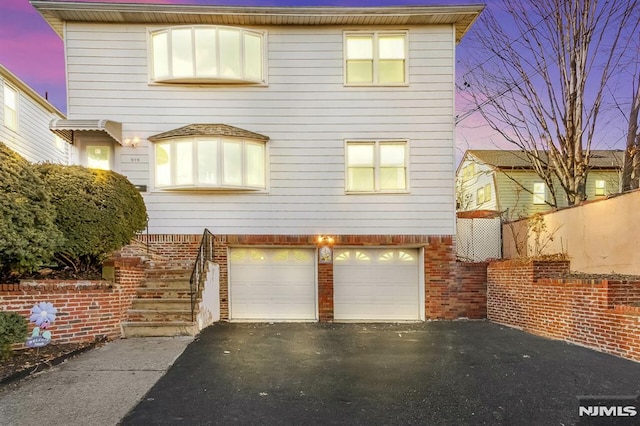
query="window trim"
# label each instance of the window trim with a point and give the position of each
(485, 190)
(600, 191)
(220, 185)
(15, 125)
(375, 35)
(110, 154)
(376, 165)
(213, 80)
(539, 197)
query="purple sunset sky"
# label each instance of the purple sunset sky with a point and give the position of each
(34, 52)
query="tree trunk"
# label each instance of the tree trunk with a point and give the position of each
(631, 168)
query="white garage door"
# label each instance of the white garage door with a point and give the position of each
(272, 284)
(376, 284)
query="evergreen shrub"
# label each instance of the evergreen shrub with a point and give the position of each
(28, 235)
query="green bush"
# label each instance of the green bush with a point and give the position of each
(97, 211)
(13, 329)
(28, 234)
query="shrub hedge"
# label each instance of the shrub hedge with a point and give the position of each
(70, 215)
(28, 235)
(97, 211)
(13, 329)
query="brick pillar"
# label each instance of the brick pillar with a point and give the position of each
(220, 257)
(325, 292)
(439, 276)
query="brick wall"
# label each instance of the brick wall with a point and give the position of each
(87, 310)
(175, 247)
(601, 314)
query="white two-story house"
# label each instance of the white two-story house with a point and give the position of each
(24, 122)
(316, 143)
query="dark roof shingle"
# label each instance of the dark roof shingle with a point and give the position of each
(208, 130)
(508, 159)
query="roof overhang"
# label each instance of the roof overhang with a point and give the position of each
(66, 128)
(56, 13)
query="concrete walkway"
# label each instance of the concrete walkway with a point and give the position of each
(98, 387)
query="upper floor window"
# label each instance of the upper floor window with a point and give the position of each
(483, 194)
(375, 58)
(539, 193)
(376, 166)
(468, 172)
(10, 107)
(207, 54)
(210, 162)
(601, 188)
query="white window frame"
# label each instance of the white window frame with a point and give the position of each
(539, 193)
(376, 165)
(483, 194)
(219, 167)
(375, 37)
(11, 123)
(218, 77)
(109, 150)
(600, 188)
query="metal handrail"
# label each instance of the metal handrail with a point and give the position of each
(198, 275)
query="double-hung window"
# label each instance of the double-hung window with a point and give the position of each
(601, 188)
(375, 57)
(539, 193)
(376, 166)
(10, 107)
(207, 54)
(483, 194)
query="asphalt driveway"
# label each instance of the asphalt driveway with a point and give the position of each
(465, 372)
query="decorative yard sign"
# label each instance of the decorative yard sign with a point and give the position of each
(42, 315)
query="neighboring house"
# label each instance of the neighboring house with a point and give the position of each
(505, 181)
(24, 122)
(315, 143)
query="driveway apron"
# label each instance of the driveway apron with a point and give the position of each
(464, 372)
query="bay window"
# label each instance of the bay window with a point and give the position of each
(205, 53)
(210, 162)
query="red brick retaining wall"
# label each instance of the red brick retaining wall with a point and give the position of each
(86, 310)
(601, 314)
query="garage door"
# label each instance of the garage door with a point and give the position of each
(376, 284)
(272, 284)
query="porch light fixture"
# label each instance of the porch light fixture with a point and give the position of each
(325, 240)
(132, 142)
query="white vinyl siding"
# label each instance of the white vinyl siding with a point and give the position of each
(33, 140)
(307, 113)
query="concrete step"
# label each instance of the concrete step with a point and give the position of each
(169, 272)
(159, 329)
(164, 293)
(159, 283)
(142, 315)
(161, 304)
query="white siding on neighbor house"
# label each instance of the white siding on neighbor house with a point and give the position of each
(33, 139)
(307, 113)
(468, 190)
